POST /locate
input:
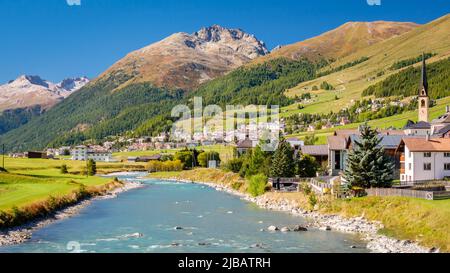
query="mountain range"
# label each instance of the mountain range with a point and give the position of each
(136, 94)
(27, 91)
(184, 61)
(342, 41)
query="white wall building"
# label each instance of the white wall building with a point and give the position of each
(424, 159)
(84, 153)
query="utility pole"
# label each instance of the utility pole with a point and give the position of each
(3, 153)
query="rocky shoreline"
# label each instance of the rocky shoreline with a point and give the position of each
(21, 234)
(359, 225)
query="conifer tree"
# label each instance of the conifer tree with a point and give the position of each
(367, 164)
(91, 167)
(283, 161)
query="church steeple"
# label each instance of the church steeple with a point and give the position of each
(423, 87)
(424, 100)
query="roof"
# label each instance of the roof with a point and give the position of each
(443, 130)
(245, 144)
(315, 149)
(424, 145)
(442, 119)
(152, 157)
(337, 142)
(392, 132)
(418, 125)
(387, 141)
(346, 132)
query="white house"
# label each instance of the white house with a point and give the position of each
(84, 153)
(295, 142)
(424, 159)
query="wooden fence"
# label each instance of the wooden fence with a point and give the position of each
(428, 195)
(320, 187)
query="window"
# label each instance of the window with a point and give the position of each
(410, 166)
(427, 154)
(446, 154)
(447, 166)
(427, 166)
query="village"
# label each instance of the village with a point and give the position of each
(420, 152)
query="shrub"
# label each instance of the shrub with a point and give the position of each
(63, 169)
(167, 166)
(312, 199)
(234, 165)
(306, 188)
(257, 185)
(430, 187)
(236, 186)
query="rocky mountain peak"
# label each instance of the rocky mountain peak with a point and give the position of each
(30, 79)
(184, 61)
(30, 90)
(231, 37)
(73, 84)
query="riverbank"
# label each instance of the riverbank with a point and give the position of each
(297, 204)
(22, 233)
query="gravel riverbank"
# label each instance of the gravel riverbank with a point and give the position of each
(359, 225)
(23, 233)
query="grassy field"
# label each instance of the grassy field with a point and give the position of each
(351, 82)
(404, 218)
(35, 180)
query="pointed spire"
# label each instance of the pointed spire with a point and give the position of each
(423, 79)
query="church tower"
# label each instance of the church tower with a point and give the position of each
(424, 99)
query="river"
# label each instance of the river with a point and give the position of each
(145, 220)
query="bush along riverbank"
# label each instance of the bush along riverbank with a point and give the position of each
(17, 224)
(325, 215)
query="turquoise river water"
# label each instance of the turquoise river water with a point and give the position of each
(144, 220)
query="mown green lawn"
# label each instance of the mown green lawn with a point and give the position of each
(34, 180)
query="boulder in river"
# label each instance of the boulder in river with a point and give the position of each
(299, 228)
(273, 228)
(285, 229)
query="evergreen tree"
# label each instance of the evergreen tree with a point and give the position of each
(91, 167)
(306, 166)
(283, 161)
(258, 162)
(367, 164)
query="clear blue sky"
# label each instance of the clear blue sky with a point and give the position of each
(54, 40)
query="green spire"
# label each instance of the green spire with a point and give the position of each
(423, 79)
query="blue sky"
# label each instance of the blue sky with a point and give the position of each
(54, 40)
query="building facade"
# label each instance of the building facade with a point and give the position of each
(83, 153)
(424, 159)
